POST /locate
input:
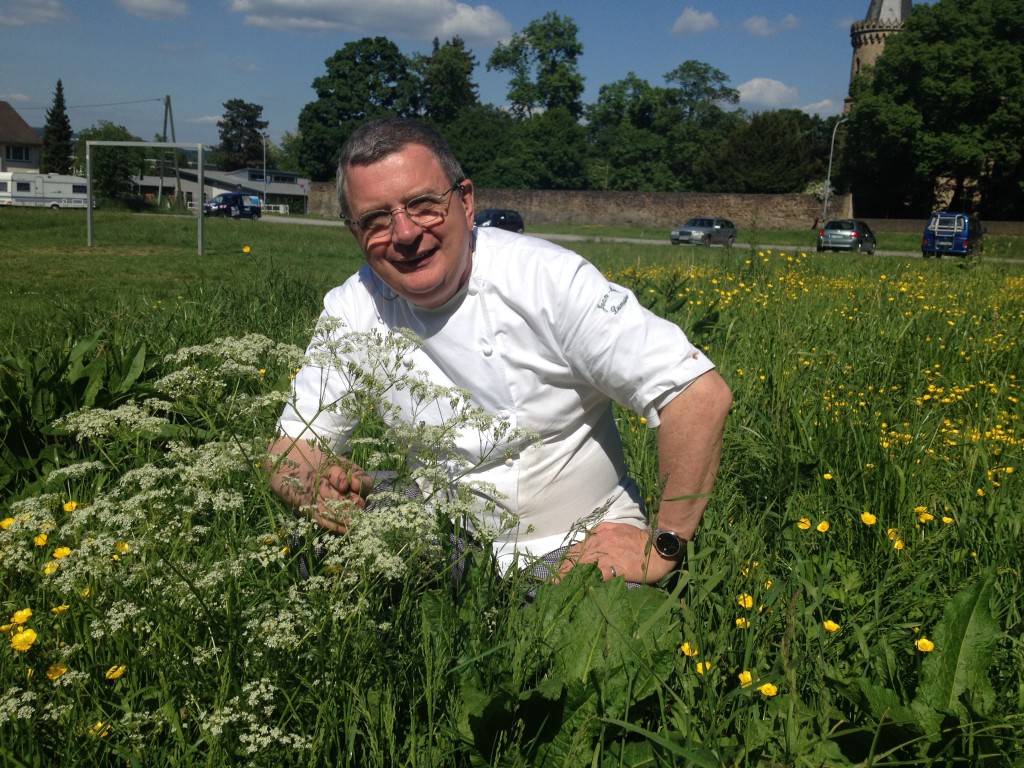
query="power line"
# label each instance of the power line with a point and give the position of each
(93, 106)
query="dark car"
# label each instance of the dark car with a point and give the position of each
(233, 205)
(705, 230)
(502, 218)
(960, 234)
(851, 235)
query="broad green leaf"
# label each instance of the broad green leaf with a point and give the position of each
(964, 641)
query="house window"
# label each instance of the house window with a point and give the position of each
(18, 153)
(79, 189)
(3, 186)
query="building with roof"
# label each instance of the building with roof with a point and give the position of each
(20, 145)
(884, 18)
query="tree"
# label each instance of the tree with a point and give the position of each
(480, 138)
(949, 93)
(58, 141)
(113, 168)
(447, 87)
(542, 60)
(241, 136)
(628, 153)
(546, 151)
(366, 79)
(772, 153)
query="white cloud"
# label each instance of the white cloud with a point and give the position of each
(764, 92)
(823, 107)
(693, 22)
(206, 120)
(760, 26)
(154, 10)
(21, 13)
(412, 19)
(9, 97)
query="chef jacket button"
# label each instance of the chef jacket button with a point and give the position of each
(487, 350)
(510, 462)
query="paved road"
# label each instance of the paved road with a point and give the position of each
(631, 240)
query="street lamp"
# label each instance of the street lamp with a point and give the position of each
(828, 178)
(264, 169)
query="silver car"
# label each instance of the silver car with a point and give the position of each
(705, 230)
(846, 235)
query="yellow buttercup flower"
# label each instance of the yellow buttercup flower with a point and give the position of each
(61, 552)
(688, 650)
(703, 666)
(115, 671)
(6, 523)
(768, 689)
(20, 617)
(804, 524)
(745, 601)
(99, 731)
(823, 526)
(827, 476)
(898, 544)
(23, 640)
(867, 518)
(742, 622)
(830, 626)
(54, 671)
(70, 506)
(59, 609)
(924, 645)
(40, 540)
(925, 517)
(123, 548)
(50, 567)
(246, 249)
(745, 679)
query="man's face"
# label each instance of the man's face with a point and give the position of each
(426, 265)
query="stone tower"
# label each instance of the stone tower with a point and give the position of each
(885, 17)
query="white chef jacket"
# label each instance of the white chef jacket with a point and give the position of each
(541, 338)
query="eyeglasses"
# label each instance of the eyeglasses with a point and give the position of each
(422, 211)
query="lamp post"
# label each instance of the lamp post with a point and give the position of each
(264, 169)
(828, 178)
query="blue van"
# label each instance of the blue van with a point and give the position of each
(960, 234)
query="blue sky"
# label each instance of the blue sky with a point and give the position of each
(118, 59)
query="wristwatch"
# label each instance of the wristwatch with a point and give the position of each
(668, 544)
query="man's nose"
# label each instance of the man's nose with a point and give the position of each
(405, 229)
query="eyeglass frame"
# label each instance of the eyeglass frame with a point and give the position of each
(440, 199)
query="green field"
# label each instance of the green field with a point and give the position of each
(854, 596)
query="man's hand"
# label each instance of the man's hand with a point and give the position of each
(321, 486)
(620, 549)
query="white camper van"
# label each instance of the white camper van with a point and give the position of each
(45, 190)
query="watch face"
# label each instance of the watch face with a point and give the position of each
(667, 544)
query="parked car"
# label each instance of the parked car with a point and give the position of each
(957, 233)
(502, 218)
(233, 205)
(846, 235)
(705, 230)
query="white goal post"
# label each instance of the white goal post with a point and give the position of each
(159, 144)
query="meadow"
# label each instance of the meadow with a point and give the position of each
(854, 596)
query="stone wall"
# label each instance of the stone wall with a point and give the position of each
(664, 210)
(633, 209)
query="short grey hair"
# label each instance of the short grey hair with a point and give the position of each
(374, 141)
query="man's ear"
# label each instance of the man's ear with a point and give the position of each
(468, 200)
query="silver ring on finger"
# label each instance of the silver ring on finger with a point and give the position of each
(614, 572)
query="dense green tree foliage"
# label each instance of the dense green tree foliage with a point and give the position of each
(446, 81)
(543, 63)
(940, 115)
(366, 79)
(58, 141)
(114, 169)
(942, 109)
(241, 136)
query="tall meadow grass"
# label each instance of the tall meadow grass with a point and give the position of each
(854, 596)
